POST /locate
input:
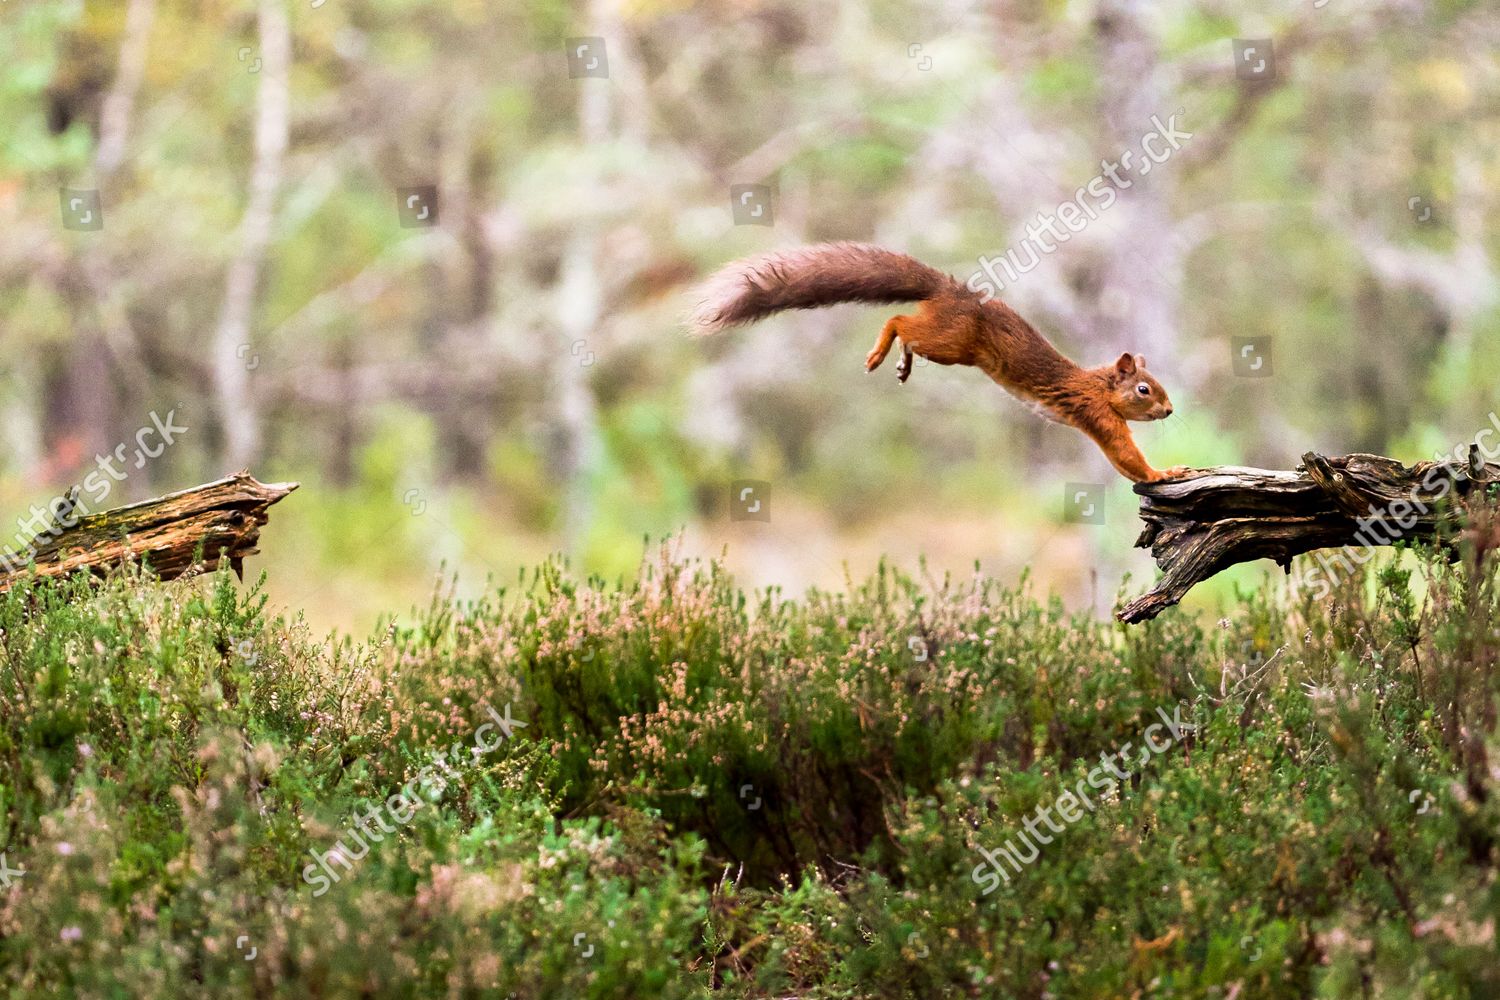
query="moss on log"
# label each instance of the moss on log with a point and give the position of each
(182, 533)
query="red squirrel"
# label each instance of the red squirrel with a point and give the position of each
(952, 326)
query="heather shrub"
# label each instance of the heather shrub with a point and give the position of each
(688, 790)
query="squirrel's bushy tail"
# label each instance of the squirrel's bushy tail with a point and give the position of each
(810, 277)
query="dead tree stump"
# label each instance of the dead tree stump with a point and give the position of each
(186, 532)
(1203, 522)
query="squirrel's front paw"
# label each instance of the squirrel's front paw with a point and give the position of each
(1176, 470)
(873, 359)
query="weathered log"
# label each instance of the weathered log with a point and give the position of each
(186, 532)
(1210, 519)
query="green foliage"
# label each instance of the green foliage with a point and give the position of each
(718, 792)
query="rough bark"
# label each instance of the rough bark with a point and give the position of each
(187, 532)
(1200, 524)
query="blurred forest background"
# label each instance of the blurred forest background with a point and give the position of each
(508, 374)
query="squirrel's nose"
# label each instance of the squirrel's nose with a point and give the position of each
(1168, 413)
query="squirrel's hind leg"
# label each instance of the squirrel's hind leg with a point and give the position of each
(882, 344)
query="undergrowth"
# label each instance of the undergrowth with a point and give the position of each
(711, 792)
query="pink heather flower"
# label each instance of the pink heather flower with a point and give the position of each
(73, 933)
(64, 848)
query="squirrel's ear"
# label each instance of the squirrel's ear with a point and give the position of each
(1140, 361)
(1126, 364)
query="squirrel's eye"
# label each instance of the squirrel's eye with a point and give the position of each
(1143, 389)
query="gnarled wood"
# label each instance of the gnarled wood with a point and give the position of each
(1201, 523)
(224, 517)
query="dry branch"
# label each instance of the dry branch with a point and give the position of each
(1200, 524)
(189, 531)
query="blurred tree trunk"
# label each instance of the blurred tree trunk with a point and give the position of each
(578, 313)
(580, 307)
(239, 420)
(20, 414)
(1138, 293)
(345, 417)
(90, 410)
(80, 407)
(464, 273)
(1461, 282)
(119, 103)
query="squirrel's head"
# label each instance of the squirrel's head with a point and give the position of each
(1134, 394)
